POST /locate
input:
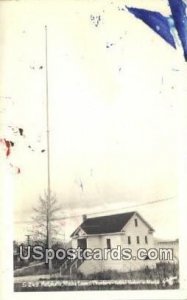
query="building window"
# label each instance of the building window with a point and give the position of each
(129, 240)
(138, 239)
(135, 222)
(108, 243)
(82, 243)
(146, 239)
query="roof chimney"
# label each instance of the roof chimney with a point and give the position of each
(84, 217)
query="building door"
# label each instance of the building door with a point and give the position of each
(82, 243)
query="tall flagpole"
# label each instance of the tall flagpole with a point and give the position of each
(48, 154)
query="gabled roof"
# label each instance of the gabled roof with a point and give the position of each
(107, 224)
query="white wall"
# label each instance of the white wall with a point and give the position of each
(141, 230)
(120, 239)
(172, 245)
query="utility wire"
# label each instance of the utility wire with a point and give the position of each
(106, 211)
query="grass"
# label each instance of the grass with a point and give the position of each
(32, 270)
(163, 271)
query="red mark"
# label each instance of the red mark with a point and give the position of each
(8, 145)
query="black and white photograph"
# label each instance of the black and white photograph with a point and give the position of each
(93, 120)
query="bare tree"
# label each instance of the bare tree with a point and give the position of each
(44, 215)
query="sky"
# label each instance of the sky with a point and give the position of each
(113, 111)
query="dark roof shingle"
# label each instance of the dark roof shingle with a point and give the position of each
(105, 224)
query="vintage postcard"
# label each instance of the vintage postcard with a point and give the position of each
(93, 152)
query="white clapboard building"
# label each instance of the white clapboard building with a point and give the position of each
(126, 230)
